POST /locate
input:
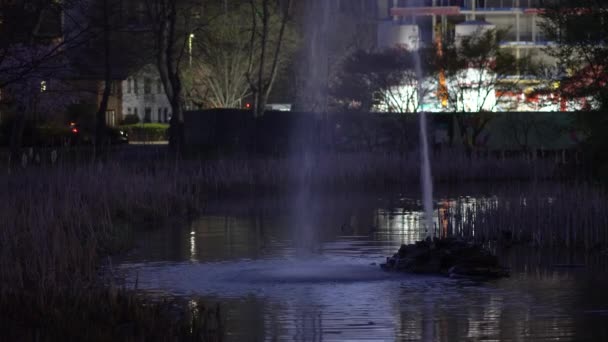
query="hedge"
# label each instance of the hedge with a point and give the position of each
(146, 132)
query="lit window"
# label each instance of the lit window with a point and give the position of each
(42, 86)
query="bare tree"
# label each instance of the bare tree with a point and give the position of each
(172, 26)
(477, 73)
(217, 75)
(330, 35)
(265, 47)
(384, 81)
(33, 47)
(106, 32)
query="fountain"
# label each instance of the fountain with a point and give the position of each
(447, 256)
(407, 35)
(313, 76)
(425, 163)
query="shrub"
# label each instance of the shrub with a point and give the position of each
(50, 134)
(130, 119)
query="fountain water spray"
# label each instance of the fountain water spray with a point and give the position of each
(425, 163)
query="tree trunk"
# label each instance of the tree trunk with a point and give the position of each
(169, 73)
(261, 86)
(176, 130)
(258, 105)
(100, 122)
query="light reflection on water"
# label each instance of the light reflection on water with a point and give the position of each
(334, 290)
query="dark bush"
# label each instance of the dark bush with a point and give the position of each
(83, 115)
(34, 135)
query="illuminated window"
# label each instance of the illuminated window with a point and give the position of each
(42, 86)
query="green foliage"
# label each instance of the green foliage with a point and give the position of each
(146, 132)
(130, 119)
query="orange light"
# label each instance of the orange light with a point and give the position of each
(442, 92)
(74, 130)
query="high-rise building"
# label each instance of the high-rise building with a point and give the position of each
(519, 19)
(414, 23)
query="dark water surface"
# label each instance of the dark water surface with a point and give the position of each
(319, 279)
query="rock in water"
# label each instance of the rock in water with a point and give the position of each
(450, 257)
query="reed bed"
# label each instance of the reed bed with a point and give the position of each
(566, 216)
(58, 223)
(105, 314)
(330, 171)
(61, 216)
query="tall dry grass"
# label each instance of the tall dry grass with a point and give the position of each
(57, 224)
(377, 170)
(567, 216)
(60, 218)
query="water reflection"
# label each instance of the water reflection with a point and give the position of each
(248, 261)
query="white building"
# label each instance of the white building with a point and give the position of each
(143, 94)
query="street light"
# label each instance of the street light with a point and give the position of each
(190, 40)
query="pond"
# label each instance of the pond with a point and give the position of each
(319, 279)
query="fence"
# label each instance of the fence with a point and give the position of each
(286, 132)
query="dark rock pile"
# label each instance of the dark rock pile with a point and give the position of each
(450, 257)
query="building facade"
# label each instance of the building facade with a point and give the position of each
(143, 95)
(520, 19)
